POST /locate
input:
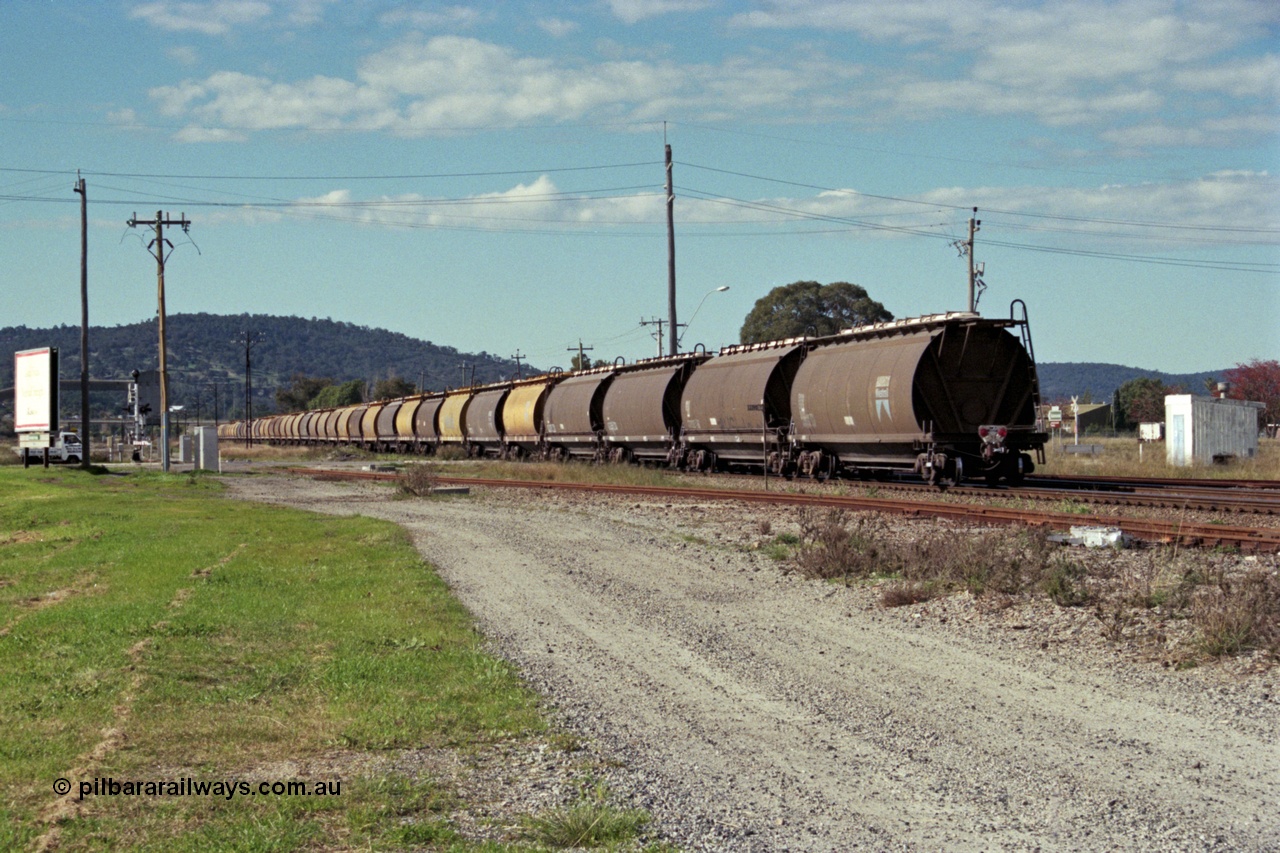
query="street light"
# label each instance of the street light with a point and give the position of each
(721, 289)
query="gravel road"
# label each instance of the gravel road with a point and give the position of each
(749, 709)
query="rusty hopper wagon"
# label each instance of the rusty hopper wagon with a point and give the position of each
(947, 396)
(944, 396)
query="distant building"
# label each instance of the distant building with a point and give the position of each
(1208, 429)
(1095, 416)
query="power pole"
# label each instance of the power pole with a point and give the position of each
(656, 321)
(974, 224)
(671, 256)
(250, 339)
(518, 358)
(84, 320)
(157, 249)
(214, 386)
(582, 355)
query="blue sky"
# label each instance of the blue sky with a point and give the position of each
(490, 176)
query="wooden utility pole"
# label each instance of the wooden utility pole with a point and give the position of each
(671, 259)
(84, 320)
(157, 249)
(518, 358)
(582, 355)
(974, 222)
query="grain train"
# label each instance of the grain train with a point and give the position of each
(946, 396)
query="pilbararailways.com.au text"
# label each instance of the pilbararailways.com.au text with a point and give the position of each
(188, 787)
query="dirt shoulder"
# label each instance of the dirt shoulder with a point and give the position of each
(750, 709)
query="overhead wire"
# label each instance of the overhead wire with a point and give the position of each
(445, 215)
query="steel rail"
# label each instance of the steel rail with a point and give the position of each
(1200, 500)
(1073, 481)
(1189, 534)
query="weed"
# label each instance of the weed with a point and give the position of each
(1063, 583)
(1114, 617)
(906, 593)
(781, 547)
(996, 563)
(829, 549)
(417, 481)
(590, 822)
(1236, 614)
(1073, 507)
(565, 741)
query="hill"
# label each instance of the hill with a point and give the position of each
(208, 349)
(1059, 381)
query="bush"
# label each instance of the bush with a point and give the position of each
(829, 549)
(996, 562)
(419, 481)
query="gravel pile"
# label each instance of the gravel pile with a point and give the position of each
(750, 709)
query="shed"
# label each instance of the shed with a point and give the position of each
(1095, 416)
(1208, 429)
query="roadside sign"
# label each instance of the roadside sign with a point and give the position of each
(34, 440)
(35, 390)
(1055, 414)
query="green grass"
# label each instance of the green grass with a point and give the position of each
(223, 640)
(590, 822)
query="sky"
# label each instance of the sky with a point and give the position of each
(490, 176)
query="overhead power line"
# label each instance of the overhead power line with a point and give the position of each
(366, 177)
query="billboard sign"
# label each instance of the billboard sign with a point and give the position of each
(35, 390)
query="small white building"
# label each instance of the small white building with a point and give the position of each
(1208, 429)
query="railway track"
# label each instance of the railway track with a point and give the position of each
(1196, 499)
(1129, 483)
(1189, 534)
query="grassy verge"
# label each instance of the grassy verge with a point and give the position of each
(152, 631)
(1120, 458)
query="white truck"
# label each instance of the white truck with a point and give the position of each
(65, 448)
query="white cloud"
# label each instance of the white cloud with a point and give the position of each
(1128, 70)
(557, 27)
(1250, 78)
(246, 103)
(418, 88)
(214, 18)
(1217, 132)
(183, 54)
(220, 17)
(123, 118)
(447, 17)
(634, 11)
(1072, 63)
(1224, 200)
(208, 134)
